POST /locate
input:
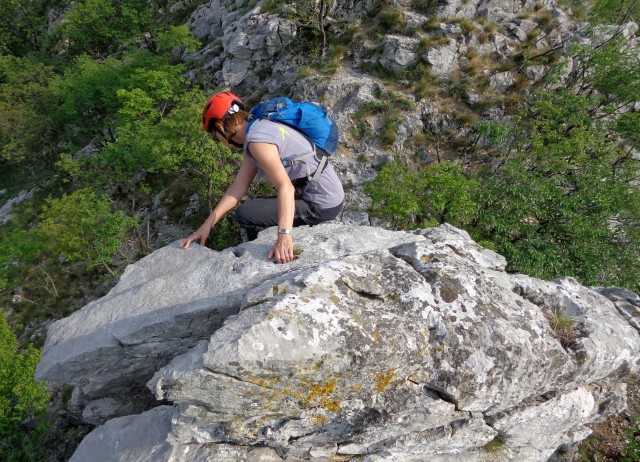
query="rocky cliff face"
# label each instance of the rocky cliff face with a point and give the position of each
(468, 45)
(372, 345)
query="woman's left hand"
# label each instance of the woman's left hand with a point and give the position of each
(282, 250)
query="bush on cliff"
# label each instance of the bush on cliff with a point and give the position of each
(23, 401)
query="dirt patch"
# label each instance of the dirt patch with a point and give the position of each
(609, 439)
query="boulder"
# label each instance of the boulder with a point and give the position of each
(373, 344)
(398, 53)
(165, 304)
(444, 59)
(502, 81)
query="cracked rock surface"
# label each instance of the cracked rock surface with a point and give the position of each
(374, 344)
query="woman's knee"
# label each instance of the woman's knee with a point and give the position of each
(258, 213)
(244, 217)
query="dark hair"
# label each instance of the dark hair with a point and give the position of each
(229, 124)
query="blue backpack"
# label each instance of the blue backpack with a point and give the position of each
(312, 119)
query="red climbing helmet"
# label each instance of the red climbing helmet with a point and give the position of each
(218, 106)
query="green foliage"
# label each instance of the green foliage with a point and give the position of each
(21, 399)
(23, 25)
(83, 228)
(389, 111)
(447, 195)
(631, 452)
(18, 247)
(390, 19)
(628, 127)
(495, 133)
(437, 194)
(394, 196)
(614, 11)
(177, 37)
(612, 69)
(100, 26)
(94, 93)
(87, 95)
(180, 144)
(560, 204)
(424, 6)
(25, 108)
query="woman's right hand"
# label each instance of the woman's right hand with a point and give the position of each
(201, 233)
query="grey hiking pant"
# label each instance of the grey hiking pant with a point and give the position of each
(258, 214)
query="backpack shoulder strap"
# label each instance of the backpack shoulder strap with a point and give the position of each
(288, 161)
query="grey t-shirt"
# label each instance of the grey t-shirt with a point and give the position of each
(328, 193)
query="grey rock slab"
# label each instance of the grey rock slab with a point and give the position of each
(627, 303)
(398, 53)
(376, 344)
(405, 348)
(444, 59)
(142, 438)
(7, 209)
(560, 419)
(502, 81)
(170, 300)
(147, 437)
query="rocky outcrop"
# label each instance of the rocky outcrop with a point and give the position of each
(6, 211)
(248, 49)
(373, 344)
(257, 49)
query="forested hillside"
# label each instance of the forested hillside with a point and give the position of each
(103, 158)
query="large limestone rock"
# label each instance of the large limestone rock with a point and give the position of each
(165, 304)
(372, 344)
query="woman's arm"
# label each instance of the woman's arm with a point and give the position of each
(267, 156)
(231, 197)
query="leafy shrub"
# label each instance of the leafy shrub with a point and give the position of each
(393, 196)
(437, 194)
(83, 228)
(614, 11)
(100, 26)
(560, 202)
(424, 6)
(25, 108)
(18, 247)
(93, 93)
(390, 19)
(21, 26)
(21, 399)
(180, 145)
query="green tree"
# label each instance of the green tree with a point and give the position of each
(611, 71)
(21, 399)
(98, 96)
(23, 25)
(98, 27)
(83, 227)
(86, 96)
(614, 11)
(561, 203)
(436, 194)
(25, 108)
(393, 195)
(447, 195)
(18, 247)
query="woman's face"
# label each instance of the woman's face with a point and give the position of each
(238, 136)
(217, 136)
